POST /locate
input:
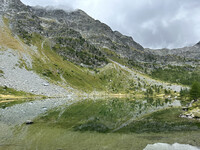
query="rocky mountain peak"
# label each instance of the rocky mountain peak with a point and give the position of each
(10, 5)
(198, 44)
(10, 2)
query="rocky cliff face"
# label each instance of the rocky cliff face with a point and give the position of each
(96, 32)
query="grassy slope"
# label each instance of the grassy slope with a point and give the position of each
(6, 38)
(78, 77)
(54, 67)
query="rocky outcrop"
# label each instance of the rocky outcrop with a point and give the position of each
(11, 6)
(193, 110)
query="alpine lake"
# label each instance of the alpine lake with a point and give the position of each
(103, 124)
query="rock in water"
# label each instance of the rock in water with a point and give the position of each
(28, 122)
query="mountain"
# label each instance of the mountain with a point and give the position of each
(78, 35)
(192, 52)
(66, 76)
(69, 51)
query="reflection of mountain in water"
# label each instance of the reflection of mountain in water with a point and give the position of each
(151, 105)
(143, 107)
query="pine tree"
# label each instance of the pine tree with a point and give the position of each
(195, 91)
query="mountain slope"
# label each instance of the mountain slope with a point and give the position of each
(62, 50)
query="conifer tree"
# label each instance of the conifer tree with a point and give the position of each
(195, 91)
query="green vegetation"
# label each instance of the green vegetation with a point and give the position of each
(195, 91)
(10, 97)
(162, 121)
(9, 91)
(6, 21)
(8, 103)
(48, 63)
(89, 115)
(78, 50)
(184, 94)
(195, 105)
(1, 72)
(107, 115)
(114, 56)
(177, 74)
(116, 80)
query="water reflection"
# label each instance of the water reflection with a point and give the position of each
(176, 146)
(100, 115)
(115, 113)
(150, 105)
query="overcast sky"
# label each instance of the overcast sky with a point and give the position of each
(152, 23)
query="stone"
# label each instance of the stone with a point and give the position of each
(28, 122)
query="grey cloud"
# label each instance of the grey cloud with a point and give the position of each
(152, 23)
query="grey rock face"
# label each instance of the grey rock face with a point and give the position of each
(12, 6)
(97, 33)
(192, 52)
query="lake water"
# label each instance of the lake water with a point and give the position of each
(93, 124)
